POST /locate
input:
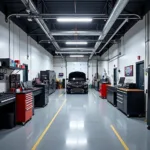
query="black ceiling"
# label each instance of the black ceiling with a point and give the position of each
(72, 7)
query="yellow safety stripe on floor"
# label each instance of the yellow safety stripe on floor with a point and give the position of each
(60, 95)
(48, 126)
(119, 137)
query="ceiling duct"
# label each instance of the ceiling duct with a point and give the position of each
(30, 5)
(123, 23)
(120, 5)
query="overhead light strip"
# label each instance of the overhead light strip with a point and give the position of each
(74, 19)
(76, 55)
(76, 43)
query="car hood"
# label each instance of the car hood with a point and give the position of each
(77, 75)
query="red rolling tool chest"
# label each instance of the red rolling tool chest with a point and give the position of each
(103, 90)
(24, 105)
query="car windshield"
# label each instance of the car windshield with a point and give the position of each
(77, 76)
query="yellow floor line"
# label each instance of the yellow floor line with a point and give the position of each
(61, 95)
(47, 128)
(119, 137)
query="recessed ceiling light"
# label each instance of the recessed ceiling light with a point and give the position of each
(76, 43)
(74, 19)
(49, 42)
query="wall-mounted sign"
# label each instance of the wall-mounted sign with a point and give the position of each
(61, 74)
(128, 71)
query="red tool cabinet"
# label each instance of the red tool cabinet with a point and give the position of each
(24, 105)
(103, 90)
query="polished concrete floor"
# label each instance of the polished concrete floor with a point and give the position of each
(84, 123)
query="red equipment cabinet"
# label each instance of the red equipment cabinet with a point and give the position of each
(103, 90)
(24, 105)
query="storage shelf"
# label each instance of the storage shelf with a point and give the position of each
(11, 68)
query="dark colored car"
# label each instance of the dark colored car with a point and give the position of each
(77, 83)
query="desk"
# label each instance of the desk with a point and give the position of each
(7, 110)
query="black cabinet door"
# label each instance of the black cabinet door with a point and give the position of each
(120, 104)
(110, 96)
(125, 104)
(120, 101)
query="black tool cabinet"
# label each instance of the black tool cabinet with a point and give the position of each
(148, 107)
(42, 99)
(111, 95)
(131, 102)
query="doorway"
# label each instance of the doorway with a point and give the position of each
(140, 75)
(115, 76)
(25, 73)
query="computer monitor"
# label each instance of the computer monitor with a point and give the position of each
(121, 80)
(37, 80)
(29, 84)
(25, 85)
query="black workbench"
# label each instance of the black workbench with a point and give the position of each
(130, 101)
(7, 110)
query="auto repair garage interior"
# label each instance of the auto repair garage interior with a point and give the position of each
(74, 74)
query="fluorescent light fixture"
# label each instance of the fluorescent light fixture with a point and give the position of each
(76, 55)
(74, 19)
(30, 19)
(77, 43)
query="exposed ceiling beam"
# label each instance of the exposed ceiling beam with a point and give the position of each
(30, 5)
(63, 41)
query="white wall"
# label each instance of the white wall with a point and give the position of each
(59, 67)
(92, 70)
(130, 46)
(39, 58)
(102, 67)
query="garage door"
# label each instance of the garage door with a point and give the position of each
(76, 66)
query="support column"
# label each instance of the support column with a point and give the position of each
(97, 68)
(147, 53)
